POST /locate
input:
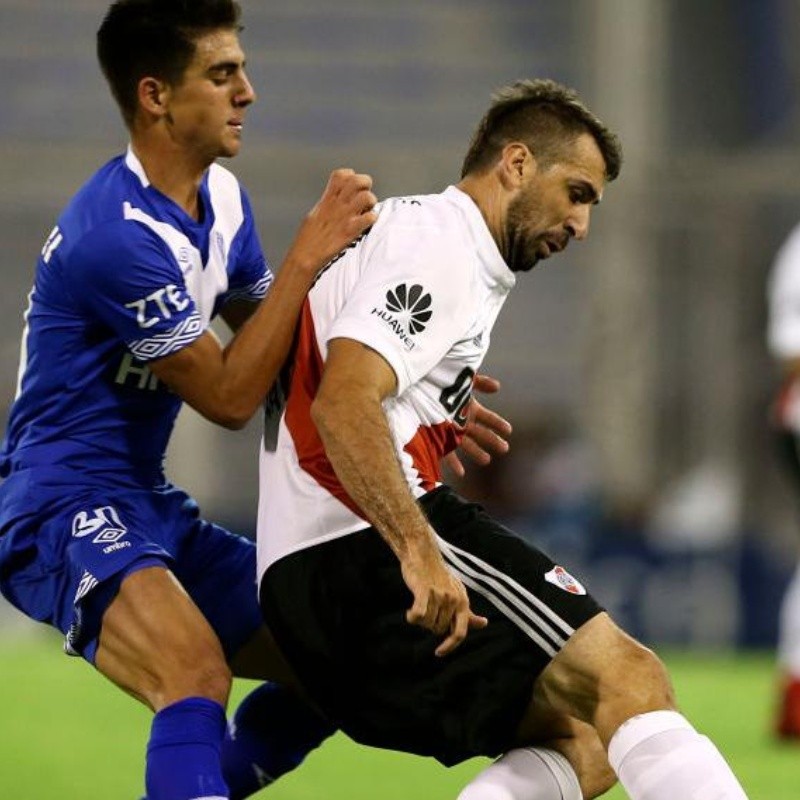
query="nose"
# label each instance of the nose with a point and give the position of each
(246, 93)
(578, 224)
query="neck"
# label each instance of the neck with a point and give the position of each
(172, 171)
(492, 202)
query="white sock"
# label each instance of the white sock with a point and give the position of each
(660, 756)
(529, 773)
(789, 630)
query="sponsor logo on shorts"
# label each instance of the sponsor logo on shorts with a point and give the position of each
(558, 576)
(104, 523)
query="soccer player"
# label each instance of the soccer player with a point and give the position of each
(93, 539)
(783, 339)
(415, 621)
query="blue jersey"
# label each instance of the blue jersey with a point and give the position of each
(125, 277)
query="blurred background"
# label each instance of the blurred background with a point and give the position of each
(634, 367)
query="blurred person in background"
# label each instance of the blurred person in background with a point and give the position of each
(783, 338)
(414, 619)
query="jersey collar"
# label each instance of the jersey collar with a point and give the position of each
(488, 252)
(135, 166)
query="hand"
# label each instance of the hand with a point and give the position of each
(343, 213)
(441, 604)
(486, 432)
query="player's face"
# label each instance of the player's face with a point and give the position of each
(207, 108)
(554, 205)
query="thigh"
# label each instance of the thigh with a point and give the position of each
(218, 570)
(62, 560)
(338, 610)
(156, 644)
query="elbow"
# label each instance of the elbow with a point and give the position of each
(233, 423)
(322, 411)
(230, 415)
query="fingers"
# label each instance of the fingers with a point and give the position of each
(353, 191)
(433, 611)
(482, 416)
(486, 384)
(480, 444)
(454, 464)
(445, 613)
(485, 434)
(344, 211)
(462, 624)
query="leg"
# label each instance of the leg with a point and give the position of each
(156, 645)
(567, 763)
(606, 679)
(274, 728)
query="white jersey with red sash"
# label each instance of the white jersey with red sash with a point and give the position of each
(423, 289)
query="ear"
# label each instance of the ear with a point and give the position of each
(516, 162)
(153, 95)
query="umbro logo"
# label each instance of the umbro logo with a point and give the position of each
(413, 301)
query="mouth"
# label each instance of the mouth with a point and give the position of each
(236, 125)
(551, 246)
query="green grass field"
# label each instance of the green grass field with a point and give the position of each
(65, 733)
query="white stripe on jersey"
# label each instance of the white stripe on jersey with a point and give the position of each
(523, 608)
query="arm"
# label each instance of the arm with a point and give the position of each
(227, 385)
(349, 416)
(236, 312)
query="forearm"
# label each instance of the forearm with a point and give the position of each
(227, 385)
(250, 363)
(359, 445)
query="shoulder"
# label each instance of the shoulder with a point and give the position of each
(426, 225)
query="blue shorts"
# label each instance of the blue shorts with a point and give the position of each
(67, 543)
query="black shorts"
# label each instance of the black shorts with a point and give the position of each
(338, 612)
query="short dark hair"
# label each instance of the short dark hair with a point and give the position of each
(545, 116)
(155, 37)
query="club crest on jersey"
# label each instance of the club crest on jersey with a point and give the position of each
(558, 576)
(407, 312)
(104, 523)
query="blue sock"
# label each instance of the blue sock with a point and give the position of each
(270, 734)
(183, 755)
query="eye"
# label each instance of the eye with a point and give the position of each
(580, 195)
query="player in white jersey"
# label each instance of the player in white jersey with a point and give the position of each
(414, 620)
(376, 295)
(783, 339)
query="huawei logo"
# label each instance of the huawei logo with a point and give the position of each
(413, 302)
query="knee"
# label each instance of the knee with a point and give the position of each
(197, 672)
(639, 677)
(596, 779)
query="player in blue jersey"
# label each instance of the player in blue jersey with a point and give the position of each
(93, 539)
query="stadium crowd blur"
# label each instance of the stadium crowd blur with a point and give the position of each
(634, 369)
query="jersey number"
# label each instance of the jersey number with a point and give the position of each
(455, 398)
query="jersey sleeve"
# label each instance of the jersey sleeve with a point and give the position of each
(783, 334)
(252, 276)
(412, 302)
(130, 281)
